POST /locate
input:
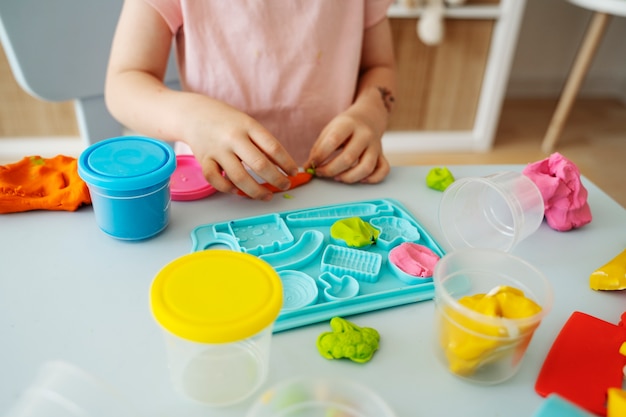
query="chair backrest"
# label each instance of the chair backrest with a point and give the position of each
(58, 50)
(616, 7)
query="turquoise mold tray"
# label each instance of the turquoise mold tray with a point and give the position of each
(324, 277)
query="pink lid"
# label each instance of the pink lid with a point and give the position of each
(187, 182)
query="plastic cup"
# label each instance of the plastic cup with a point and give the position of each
(128, 179)
(497, 211)
(217, 309)
(64, 390)
(478, 347)
(319, 397)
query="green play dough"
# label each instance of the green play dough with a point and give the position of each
(439, 178)
(354, 232)
(347, 340)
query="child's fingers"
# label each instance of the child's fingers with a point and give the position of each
(241, 180)
(380, 171)
(297, 180)
(258, 162)
(272, 149)
(215, 176)
(332, 139)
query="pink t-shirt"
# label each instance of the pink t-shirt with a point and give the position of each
(291, 64)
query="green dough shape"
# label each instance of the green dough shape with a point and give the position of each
(439, 178)
(347, 340)
(354, 232)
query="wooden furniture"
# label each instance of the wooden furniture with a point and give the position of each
(602, 12)
(450, 95)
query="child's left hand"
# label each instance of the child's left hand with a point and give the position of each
(349, 149)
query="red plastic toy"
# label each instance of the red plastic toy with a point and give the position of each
(584, 362)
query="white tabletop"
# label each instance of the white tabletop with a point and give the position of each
(68, 291)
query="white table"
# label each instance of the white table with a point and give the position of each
(68, 291)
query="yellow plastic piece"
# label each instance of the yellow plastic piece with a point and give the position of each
(216, 296)
(468, 342)
(611, 276)
(616, 405)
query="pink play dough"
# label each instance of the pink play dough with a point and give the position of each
(564, 196)
(413, 259)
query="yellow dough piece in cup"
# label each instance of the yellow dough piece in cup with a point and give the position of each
(469, 341)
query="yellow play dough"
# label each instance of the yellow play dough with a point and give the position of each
(468, 342)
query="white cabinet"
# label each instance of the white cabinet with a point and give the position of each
(450, 95)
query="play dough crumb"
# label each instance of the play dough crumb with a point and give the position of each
(439, 178)
(413, 259)
(347, 340)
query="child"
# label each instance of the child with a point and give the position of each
(267, 85)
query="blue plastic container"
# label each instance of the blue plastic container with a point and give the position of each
(128, 179)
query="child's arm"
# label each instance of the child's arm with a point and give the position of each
(220, 136)
(356, 134)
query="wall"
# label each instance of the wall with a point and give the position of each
(551, 33)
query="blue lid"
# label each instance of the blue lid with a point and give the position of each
(127, 163)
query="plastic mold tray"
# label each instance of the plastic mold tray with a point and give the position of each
(347, 280)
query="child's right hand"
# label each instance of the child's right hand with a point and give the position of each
(227, 142)
(224, 140)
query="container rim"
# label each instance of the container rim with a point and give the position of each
(159, 172)
(526, 322)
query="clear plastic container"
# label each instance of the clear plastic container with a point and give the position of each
(217, 309)
(319, 397)
(61, 389)
(497, 211)
(128, 179)
(471, 344)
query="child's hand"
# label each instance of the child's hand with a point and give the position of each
(349, 149)
(227, 142)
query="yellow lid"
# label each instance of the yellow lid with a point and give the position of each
(216, 296)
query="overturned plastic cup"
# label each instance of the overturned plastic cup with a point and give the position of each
(62, 389)
(488, 304)
(496, 211)
(217, 309)
(319, 397)
(129, 183)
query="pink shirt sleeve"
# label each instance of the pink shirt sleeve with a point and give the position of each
(375, 11)
(171, 12)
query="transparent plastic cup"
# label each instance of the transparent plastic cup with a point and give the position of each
(64, 390)
(219, 374)
(474, 346)
(497, 211)
(319, 397)
(217, 309)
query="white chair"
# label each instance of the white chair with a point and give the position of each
(602, 12)
(58, 50)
